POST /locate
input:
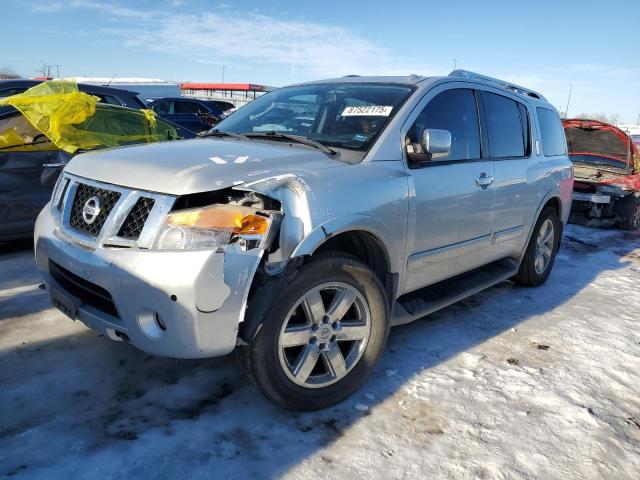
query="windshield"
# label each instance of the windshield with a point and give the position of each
(343, 115)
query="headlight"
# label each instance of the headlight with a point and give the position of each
(58, 193)
(211, 226)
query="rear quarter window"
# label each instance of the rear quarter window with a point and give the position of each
(109, 99)
(552, 132)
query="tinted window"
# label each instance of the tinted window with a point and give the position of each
(223, 105)
(161, 108)
(455, 111)
(503, 126)
(110, 99)
(11, 91)
(188, 107)
(553, 141)
(524, 123)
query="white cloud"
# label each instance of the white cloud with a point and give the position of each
(300, 48)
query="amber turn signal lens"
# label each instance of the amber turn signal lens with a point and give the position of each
(251, 225)
(234, 218)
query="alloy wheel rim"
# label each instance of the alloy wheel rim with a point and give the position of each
(544, 247)
(324, 335)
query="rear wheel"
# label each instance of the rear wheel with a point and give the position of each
(628, 210)
(540, 255)
(323, 329)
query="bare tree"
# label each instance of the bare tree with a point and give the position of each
(613, 118)
(8, 74)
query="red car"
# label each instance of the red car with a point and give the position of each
(606, 166)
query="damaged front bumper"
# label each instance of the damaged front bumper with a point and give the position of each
(182, 304)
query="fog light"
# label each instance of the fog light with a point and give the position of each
(152, 324)
(160, 322)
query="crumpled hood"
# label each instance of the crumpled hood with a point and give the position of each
(199, 165)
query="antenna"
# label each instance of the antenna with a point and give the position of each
(566, 111)
(111, 79)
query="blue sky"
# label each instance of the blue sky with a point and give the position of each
(545, 45)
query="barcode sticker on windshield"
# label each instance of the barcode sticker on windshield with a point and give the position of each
(367, 111)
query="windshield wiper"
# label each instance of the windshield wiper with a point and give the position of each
(219, 133)
(294, 138)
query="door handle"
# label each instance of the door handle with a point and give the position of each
(53, 165)
(483, 180)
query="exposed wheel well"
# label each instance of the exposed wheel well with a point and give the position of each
(555, 203)
(368, 249)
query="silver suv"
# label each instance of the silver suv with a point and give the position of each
(309, 222)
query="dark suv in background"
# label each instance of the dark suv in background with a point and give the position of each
(112, 96)
(191, 113)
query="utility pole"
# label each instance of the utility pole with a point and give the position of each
(223, 67)
(566, 110)
(57, 70)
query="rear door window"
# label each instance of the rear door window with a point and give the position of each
(162, 108)
(551, 131)
(189, 107)
(504, 126)
(456, 111)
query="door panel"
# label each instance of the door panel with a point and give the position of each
(25, 188)
(453, 221)
(454, 195)
(516, 170)
(516, 197)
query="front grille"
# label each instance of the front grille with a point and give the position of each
(88, 293)
(134, 223)
(107, 200)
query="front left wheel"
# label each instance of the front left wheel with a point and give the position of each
(323, 328)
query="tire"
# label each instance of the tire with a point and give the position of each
(530, 273)
(628, 211)
(280, 308)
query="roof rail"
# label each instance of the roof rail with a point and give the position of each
(496, 81)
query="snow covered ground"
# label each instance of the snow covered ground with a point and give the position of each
(511, 383)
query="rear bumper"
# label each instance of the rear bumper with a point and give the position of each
(183, 304)
(591, 197)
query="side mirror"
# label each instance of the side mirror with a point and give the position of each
(434, 144)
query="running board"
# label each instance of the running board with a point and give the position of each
(427, 300)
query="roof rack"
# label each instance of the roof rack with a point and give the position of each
(496, 81)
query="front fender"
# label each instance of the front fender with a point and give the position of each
(355, 222)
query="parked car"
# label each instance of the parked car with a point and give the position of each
(31, 159)
(108, 95)
(300, 242)
(194, 114)
(606, 165)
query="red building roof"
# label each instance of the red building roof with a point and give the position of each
(224, 86)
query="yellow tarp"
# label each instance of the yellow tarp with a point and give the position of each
(74, 120)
